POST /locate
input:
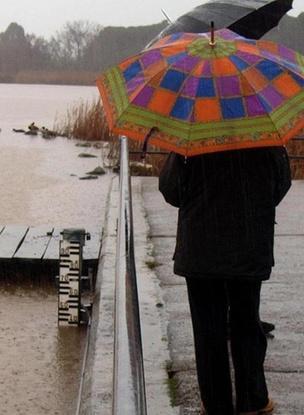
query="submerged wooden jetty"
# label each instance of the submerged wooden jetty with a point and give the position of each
(32, 250)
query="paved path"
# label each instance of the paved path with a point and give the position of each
(282, 303)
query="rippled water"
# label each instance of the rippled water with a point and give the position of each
(39, 181)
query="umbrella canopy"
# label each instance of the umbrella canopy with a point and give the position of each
(249, 18)
(198, 96)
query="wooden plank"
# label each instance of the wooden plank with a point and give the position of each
(35, 243)
(10, 240)
(52, 251)
(22, 242)
(92, 247)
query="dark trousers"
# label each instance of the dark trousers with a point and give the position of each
(209, 303)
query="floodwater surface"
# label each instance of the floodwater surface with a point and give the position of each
(40, 364)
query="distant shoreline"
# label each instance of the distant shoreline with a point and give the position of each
(79, 78)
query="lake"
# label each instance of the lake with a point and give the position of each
(22, 104)
(39, 180)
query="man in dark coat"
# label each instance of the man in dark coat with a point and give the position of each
(224, 248)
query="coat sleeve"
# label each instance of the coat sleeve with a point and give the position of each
(282, 174)
(170, 179)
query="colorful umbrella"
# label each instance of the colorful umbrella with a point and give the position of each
(200, 95)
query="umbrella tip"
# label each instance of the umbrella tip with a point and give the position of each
(212, 41)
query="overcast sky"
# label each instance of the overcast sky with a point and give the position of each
(44, 18)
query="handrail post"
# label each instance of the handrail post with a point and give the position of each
(129, 396)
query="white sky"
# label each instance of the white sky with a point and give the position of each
(45, 17)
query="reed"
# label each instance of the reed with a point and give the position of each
(84, 121)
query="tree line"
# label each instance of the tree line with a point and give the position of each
(76, 53)
(82, 49)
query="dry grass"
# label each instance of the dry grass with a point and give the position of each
(84, 121)
(296, 148)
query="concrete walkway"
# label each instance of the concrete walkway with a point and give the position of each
(282, 303)
(166, 324)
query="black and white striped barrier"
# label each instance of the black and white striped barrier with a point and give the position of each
(70, 310)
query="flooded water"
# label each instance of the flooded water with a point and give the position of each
(39, 178)
(39, 181)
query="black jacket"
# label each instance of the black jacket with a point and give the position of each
(226, 206)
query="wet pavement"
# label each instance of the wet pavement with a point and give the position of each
(281, 303)
(170, 373)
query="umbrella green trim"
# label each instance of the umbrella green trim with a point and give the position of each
(209, 130)
(117, 85)
(289, 110)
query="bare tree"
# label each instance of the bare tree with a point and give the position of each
(71, 42)
(40, 56)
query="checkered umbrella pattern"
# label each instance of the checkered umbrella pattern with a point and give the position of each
(199, 98)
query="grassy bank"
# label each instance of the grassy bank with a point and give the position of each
(86, 121)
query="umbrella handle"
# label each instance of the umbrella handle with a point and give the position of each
(145, 145)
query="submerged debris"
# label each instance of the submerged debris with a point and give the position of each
(97, 171)
(140, 169)
(46, 133)
(88, 177)
(86, 155)
(31, 132)
(33, 129)
(85, 144)
(19, 130)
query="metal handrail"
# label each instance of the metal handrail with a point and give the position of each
(129, 397)
(294, 157)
